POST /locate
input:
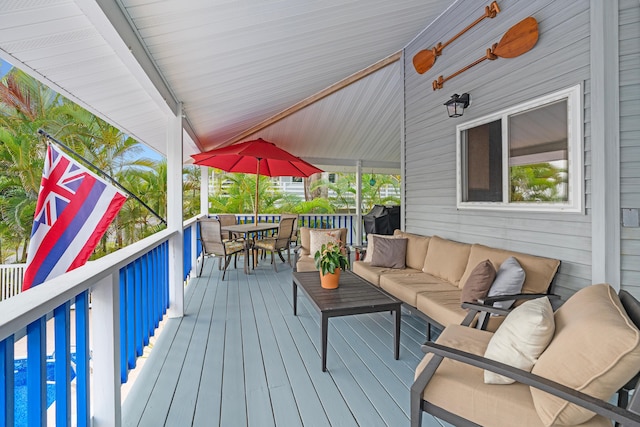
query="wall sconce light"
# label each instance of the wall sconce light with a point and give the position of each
(457, 104)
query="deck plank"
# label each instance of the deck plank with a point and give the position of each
(208, 409)
(240, 357)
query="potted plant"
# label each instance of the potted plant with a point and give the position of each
(329, 261)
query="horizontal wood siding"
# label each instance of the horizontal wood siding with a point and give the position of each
(560, 59)
(629, 35)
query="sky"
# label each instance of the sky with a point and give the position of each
(5, 67)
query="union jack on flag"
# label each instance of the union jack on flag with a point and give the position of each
(74, 210)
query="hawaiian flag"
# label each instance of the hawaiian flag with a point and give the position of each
(74, 210)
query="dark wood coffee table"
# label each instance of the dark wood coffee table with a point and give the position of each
(354, 295)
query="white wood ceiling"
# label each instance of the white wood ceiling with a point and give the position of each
(232, 63)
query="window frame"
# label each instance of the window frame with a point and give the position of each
(575, 150)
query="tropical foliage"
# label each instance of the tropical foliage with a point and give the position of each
(27, 106)
(542, 182)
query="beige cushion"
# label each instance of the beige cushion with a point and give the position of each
(373, 274)
(389, 253)
(233, 246)
(460, 388)
(447, 259)
(595, 349)
(443, 307)
(305, 264)
(371, 244)
(305, 238)
(416, 248)
(478, 283)
(407, 286)
(320, 237)
(521, 338)
(539, 270)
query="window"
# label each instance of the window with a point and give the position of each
(528, 157)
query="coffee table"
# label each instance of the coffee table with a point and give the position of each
(354, 295)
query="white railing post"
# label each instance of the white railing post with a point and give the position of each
(105, 327)
(358, 203)
(204, 190)
(174, 213)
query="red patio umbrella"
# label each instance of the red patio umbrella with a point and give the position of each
(258, 156)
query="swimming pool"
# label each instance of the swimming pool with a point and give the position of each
(20, 386)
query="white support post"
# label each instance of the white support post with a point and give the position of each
(174, 214)
(105, 328)
(403, 174)
(605, 144)
(204, 190)
(359, 203)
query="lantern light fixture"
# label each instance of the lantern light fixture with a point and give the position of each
(457, 104)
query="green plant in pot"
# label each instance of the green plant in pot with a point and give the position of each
(330, 260)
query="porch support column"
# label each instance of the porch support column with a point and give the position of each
(403, 174)
(605, 144)
(204, 190)
(174, 214)
(358, 203)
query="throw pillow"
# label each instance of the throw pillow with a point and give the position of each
(320, 237)
(509, 280)
(478, 283)
(371, 244)
(389, 253)
(521, 338)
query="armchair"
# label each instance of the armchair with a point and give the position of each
(594, 353)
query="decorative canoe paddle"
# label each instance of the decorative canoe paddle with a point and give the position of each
(517, 40)
(424, 60)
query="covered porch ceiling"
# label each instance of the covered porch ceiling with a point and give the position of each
(241, 69)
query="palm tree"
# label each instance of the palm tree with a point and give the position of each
(25, 106)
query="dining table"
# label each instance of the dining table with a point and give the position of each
(247, 230)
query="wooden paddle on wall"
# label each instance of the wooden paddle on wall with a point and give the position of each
(424, 60)
(517, 40)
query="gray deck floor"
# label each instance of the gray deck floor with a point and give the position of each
(239, 357)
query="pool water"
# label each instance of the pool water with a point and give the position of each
(20, 386)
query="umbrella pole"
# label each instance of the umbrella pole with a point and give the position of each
(255, 208)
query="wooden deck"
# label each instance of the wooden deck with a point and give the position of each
(239, 357)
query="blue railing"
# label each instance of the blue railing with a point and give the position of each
(144, 299)
(129, 294)
(347, 221)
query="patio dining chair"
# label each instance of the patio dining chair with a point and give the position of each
(277, 243)
(229, 219)
(294, 231)
(214, 245)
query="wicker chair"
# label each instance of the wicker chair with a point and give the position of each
(277, 243)
(214, 245)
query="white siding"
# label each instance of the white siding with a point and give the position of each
(629, 24)
(560, 59)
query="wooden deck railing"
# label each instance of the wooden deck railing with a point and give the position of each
(11, 276)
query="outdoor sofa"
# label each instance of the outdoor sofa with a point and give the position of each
(430, 272)
(567, 366)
